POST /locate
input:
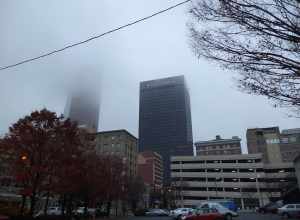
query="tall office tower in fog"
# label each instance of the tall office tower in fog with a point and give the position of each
(83, 107)
(165, 123)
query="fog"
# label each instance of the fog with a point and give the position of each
(115, 64)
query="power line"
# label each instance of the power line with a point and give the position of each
(94, 37)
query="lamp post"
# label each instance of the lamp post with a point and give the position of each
(217, 179)
(181, 195)
(261, 203)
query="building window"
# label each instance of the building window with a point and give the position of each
(273, 141)
(285, 140)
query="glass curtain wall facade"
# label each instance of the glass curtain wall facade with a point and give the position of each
(165, 119)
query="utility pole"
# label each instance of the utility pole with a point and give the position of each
(217, 179)
(261, 203)
(181, 195)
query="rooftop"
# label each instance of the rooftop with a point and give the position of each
(116, 131)
(217, 157)
(219, 140)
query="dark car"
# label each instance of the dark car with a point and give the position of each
(157, 212)
(269, 208)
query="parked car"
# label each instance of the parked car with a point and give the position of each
(289, 211)
(81, 211)
(55, 210)
(225, 212)
(269, 208)
(203, 214)
(156, 212)
(178, 213)
(227, 203)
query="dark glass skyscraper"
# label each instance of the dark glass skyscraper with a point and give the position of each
(165, 119)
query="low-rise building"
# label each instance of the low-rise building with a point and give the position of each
(219, 146)
(150, 168)
(275, 146)
(244, 178)
(120, 143)
(265, 141)
(297, 169)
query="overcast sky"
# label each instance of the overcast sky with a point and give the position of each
(117, 63)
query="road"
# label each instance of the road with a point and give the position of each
(243, 216)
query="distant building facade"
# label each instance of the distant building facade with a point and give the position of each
(244, 178)
(275, 146)
(290, 144)
(297, 169)
(165, 119)
(150, 168)
(120, 143)
(265, 141)
(83, 108)
(219, 146)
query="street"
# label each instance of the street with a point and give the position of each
(243, 216)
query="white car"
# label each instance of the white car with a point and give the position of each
(81, 210)
(50, 211)
(178, 213)
(289, 211)
(227, 213)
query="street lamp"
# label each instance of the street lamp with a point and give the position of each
(217, 179)
(261, 203)
(181, 194)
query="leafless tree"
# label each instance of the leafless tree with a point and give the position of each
(258, 38)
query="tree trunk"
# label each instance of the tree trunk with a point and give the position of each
(69, 206)
(124, 208)
(116, 208)
(63, 204)
(86, 202)
(32, 204)
(23, 205)
(108, 205)
(46, 203)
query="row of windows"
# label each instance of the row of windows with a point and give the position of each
(217, 161)
(219, 152)
(284, 140)
(218, 170)
(263, 180)
(228, 189)
(228, 146)
(227, 170)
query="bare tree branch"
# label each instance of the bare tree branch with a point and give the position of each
(258, 38)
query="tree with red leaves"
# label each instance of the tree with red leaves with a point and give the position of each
(50, 156)
(35, 146)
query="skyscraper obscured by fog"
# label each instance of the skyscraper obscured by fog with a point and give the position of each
(83, 107)
(165, 119)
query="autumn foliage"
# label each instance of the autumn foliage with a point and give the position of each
(50, 157)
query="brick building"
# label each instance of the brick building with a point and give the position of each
(120, 143)
(219, 146)
(150, 168)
